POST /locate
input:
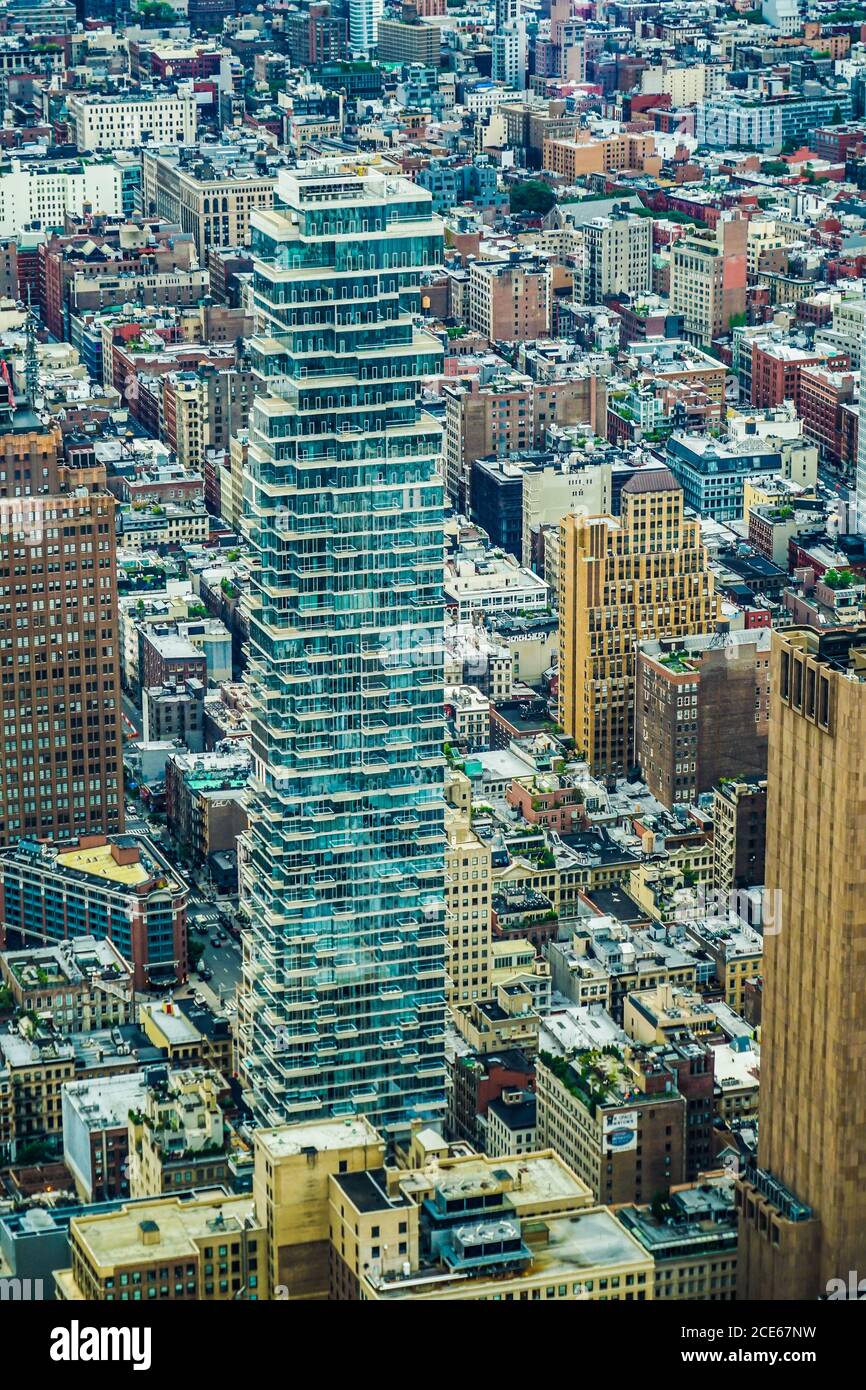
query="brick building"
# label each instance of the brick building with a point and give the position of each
(701, 711)
(60, 763)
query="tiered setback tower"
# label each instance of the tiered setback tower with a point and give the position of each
(342, 1005)
(625, 580)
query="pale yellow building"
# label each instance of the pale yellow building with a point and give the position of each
(178, 1137)
(520, 1228)
(652, 1015)
(623, 580)
(187, 1249)
(468, 886)
(293, 1167)
(506, 1019)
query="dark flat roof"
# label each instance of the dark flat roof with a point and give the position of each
(368, 1191)
(615, 902)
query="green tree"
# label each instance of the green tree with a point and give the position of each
(533, 196)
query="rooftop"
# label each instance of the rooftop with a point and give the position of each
(99, 862)
(171, 1229)
(317, 1136)
(106, 1103)
(651, 480)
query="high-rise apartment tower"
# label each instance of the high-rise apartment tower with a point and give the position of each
(342, 1006)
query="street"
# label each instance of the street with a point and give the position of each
(224, 960)
(132, 716)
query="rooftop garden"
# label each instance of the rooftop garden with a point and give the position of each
(591, 1077)
(674, 661)
(842, 579)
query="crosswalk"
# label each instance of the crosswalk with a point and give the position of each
(209, 917)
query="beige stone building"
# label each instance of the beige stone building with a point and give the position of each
(653, 1015)
(621, 579)
(213, 204)
(188, 1249)
(505, 1019)
(468, 887)
(518, 1228)
(177, 1138)
(617, 256)
(293, 1167)
(708, 280)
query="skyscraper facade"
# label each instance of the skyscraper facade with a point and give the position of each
(803, 1205)
(364, 16)
(342, 1005)
(624, 580)
(857, 523)
(60, 753)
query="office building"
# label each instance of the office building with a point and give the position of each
(617, 256)
(210, 197)
(623, 579)
(124, 122)
(692, 1237)
(118, 887)
(342, 1008)
(291, 1184)
(802, 1204)
(616, 1118)
(209, 1248)
(708, 280)
(468, 887)
(510, 300)
(551, 491)
(407, 39)
(713, 472)
(46, 191)
(764, 120)
(60, 760)
(476, 1228)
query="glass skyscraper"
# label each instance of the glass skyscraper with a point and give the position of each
(343, 999)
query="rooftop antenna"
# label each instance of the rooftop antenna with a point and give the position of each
(31, 364)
